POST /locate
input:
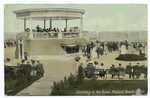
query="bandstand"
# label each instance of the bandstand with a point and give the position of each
(49, 43)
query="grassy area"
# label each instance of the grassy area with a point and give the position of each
(15, 84)
(107, 87)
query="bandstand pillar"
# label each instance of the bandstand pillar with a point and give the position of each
(50, 24)
(59, 33)
(44, 23)
(31, 34)
(81, 27)
(66, 24)
(24, 24)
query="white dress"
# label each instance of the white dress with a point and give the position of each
(106, 49)
(33, 71)
(123, 49)
(94, 54)
(129, 49)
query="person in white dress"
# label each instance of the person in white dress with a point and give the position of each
(123, 49)
(94, 53)
(129, 49)
(33, 69)
(105, 48)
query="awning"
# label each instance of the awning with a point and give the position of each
(71, 45)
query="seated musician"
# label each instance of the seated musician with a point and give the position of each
(113, 71)
(102, 73)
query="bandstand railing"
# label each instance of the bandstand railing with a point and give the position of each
(51, 34)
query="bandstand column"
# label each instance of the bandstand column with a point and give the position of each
(18, 39)
(59, 34)
(31, 34)
(24, 24)
(66, 24)
(44, 23)
(81, 26)
(50, 24)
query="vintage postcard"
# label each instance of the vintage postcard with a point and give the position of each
(75, 49)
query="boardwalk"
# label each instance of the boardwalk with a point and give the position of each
(56, 70)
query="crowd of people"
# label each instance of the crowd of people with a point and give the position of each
(27, 69)
(103, 48)
(39, 29)
(9, 43)
(131, 70)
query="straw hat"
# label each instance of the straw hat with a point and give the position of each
(77, 58)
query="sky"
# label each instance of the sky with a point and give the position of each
(97, 17)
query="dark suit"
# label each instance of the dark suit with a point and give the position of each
(40, 69)
(129, 70)
(136, 71)
(98, 50)
(113, 71)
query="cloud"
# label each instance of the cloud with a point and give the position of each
(96, 23)
(139, 25)
(116, 21)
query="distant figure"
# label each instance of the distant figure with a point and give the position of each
(105, 48)
(88, 49)
(123, 49)
(102, 73)
(101, 50)
(57, 30)
(129, 70)
(25, 55)
(39, 69)
(141, 52)
(94, 54)
(38, 28)
(8, 62)
(110, 46)
(129, 49)
(33, 68)
(98, 51)
(85, 49)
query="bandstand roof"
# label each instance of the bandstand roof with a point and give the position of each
(49, 13)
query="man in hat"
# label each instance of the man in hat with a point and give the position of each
(25, 55)
(102, 72)
(90, 69)
(129, 70)
(120, 70)
(136, 70)
(8, 62)
(113, 70)
(40, 69)
(98, 50)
